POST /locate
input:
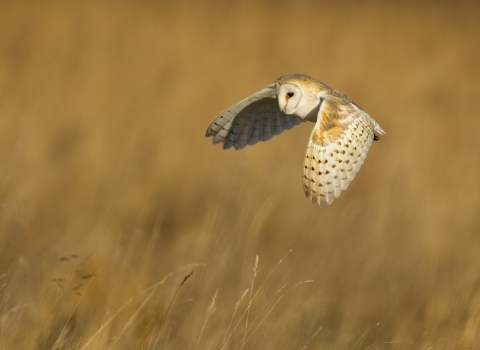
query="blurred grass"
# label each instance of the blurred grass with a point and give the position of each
(105, 171)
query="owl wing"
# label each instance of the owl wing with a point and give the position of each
(337, 148)
(256, 118)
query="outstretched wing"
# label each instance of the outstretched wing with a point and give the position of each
(256, 118)
(337, 148)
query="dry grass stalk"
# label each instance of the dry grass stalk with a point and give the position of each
(255, 266)
(121, 308)
(61, 337)
(233, 316)
(363, 335)
(252, 299)
(210, 312)
(312, 338)
(251, 332)
(165, 315)
(132, 319)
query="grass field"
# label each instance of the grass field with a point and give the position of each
(111, 196)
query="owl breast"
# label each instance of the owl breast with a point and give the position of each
(311, 113)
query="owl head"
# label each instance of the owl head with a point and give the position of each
(289, 96)
(298, 96)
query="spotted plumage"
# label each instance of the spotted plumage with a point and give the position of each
(338, 145)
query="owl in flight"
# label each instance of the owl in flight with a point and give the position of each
(338, 145)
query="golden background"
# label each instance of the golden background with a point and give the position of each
(107, 183)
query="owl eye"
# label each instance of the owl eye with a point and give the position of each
(290, 94)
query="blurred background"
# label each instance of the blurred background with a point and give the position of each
(111, 195)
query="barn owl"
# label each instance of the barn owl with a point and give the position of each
(338, 145)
